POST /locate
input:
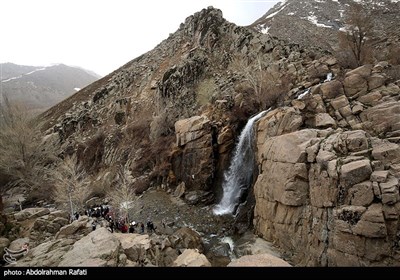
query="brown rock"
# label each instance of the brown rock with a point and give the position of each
(190, 129)
(371, 98)
(323, 188)
(372, 223)
(277, 122)
(324, 120)
(364, 71)
(356, 140)
(361, 194)
(355, 172)
(339, 102)
(386, 152)
(331, 89)
(96, 249)
(375, 81)
(191, 258)
(379, 176)
(186, 238)
(259, 260)
(354, 85)
(30, 213)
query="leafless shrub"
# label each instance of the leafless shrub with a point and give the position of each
(266, 87)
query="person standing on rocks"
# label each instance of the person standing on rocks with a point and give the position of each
(111, 222)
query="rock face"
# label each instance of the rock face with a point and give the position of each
(331, 196)
(193, 164)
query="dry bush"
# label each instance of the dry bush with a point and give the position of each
(138, 132)
(163, 124)
(265, 86)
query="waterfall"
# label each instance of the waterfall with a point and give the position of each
(239, 174)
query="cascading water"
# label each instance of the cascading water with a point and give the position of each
(239, 174)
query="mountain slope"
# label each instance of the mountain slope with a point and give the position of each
(316, 23)
(39, 88)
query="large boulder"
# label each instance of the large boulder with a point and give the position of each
(81, 225)
(135, 246)
(46, 254)
(30, 213)
(186, 238)
(190, 129)
(191, 257)
(99, 248)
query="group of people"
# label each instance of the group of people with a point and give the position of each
(103, 211)
(131, 227)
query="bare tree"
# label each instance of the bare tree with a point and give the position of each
(265, 84)
(71, 184)
(123, 195)
(22, 155)
(359, 27)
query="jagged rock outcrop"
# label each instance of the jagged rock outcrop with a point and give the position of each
(331, 196)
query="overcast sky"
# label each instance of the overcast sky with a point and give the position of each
(101, 35)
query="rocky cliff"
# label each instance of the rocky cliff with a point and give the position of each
(328, 189)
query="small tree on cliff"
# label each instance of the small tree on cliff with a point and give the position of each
(359, 27)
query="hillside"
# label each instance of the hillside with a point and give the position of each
(39, 88)
(316, 23)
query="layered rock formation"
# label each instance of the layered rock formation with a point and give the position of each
(328, 189)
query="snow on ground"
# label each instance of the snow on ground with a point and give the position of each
(26, 74)
(314, 20)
